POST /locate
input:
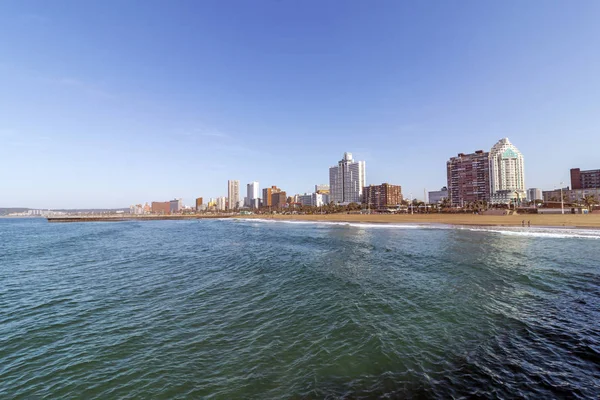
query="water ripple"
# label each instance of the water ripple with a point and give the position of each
(255, 309)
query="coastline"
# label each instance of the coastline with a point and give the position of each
(537, 220)
(551, 221)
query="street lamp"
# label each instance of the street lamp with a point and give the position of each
(562, 200)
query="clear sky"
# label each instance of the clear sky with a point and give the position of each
(109, 103)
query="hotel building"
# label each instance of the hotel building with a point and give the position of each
(507, 173)
(346, 181)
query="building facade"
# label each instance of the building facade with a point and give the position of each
(382, 196)
(507, 173)
(534, 194)
(324, 189)
(233, 194)
(221, 203)
(468, 178)
(347, 180)
(589, 179)
(198, 203)
(267, 199)
(313, 199)
(570, 195)
(437, 196)
(253, 195)
(278, 199)
(161, 207)
(175, 206)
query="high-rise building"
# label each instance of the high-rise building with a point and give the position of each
(221, 203)
(198, 203)
(534, 194)
(278, 199)
(437, 196)
(468, 178)
(346, 181)
(233, 194)
(253, 194)
(268, 195)
(382, 196)
(589, 179)
(507, 173)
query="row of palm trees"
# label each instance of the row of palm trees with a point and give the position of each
(445, 206)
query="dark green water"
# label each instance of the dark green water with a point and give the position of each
(247, 309)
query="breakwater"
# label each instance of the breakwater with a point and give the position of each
(127, 217)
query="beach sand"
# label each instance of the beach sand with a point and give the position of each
(567, 220)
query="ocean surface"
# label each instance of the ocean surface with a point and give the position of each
(229, 309)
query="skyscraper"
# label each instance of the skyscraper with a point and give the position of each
(233, 194)
(468, 178)
(507, 173)
(346, 181)
(253, 194)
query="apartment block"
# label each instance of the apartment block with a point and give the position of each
(468, 178)
(589, 179)
(382, 196)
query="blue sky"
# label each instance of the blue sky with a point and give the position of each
(109, 103)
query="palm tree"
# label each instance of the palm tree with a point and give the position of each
(589, 200)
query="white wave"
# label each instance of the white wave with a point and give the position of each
(341, 223)
(535, 232)
(552, 233)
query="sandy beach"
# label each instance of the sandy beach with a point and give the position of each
(567, 220)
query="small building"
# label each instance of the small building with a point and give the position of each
(437, 196)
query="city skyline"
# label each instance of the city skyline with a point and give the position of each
(94, 115)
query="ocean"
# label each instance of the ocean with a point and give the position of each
(226, 309)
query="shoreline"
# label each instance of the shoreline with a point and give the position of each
(574, 221)
(591, 221)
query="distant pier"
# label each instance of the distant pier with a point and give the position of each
(126, 217)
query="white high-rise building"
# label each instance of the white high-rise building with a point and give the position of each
(346, 181)
(233, 194)
(507, 173)
(221, 203)
(253, 194)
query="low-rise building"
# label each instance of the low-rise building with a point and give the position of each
(161, 207)
(534, 194)
(437, 196)
(570, 195)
